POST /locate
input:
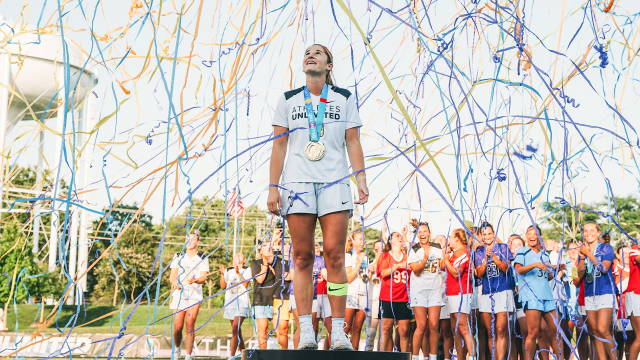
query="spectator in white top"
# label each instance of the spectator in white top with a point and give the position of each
(188, 272)
(236, 298)
(357, 265)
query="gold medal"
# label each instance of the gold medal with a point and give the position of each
(314, 150)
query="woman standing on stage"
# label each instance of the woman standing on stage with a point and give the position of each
(426, 290)
(320, 124)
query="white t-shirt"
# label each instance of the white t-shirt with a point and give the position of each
(559, 293)
(341, 114)
(193, 267)
(430, 277)
(232, 279)
(357, 286)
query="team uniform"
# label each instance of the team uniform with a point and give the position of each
(600, 289)
(633, 289)
(426, 288)
(188, 268)
(460, 290)
(236, 299)
(318, 264)
(497, 286)
(357, 292)
(308, 184)
(393, 288)
(444, 310)
(321, 305)
(374, 295)
(534, 290)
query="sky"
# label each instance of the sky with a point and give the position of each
(493, 92)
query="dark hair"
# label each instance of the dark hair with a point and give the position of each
(416, 225)
(326, 51)
(516, 236)
(474, 230)
(484, 225)
(537, 228)
(605, 238)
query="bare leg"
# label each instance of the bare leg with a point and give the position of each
(603, 328)
(296, 334)
(533, 318)
(524, 332)
(302, 229)
(583, 339)
(387, 334)
(283, 330)
(334, 231)
(544, 341)
(263, 331)
(460, 322)
(497, 334)
(548, 318)
(316, 323)
(192, 314)
(326, 322)
(349, 317)
(482, 334)
(356, 330)
(404, 327)
(371, 334)
(419, 334)
(178, 324)
(237, 342)
(634, 348)
(447, 337)
(433, 323)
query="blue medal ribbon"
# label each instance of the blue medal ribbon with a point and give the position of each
(315, 126)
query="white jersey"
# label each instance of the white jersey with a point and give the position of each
(193, 267)
(358, 286)
(430, 277)
(341, 114)
(238, 295)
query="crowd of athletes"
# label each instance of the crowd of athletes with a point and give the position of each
(468, 294)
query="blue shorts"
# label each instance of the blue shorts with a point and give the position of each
(262, 312)
(540, 305)
(315, 198)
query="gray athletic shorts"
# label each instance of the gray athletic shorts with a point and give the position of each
(312, 198)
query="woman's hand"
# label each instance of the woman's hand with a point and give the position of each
(363, 192)
(222, 269)
(274, 202)
(542, 266)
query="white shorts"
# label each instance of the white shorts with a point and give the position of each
(426, 298)
(582, 311)
(520, 313)
(632, 304)
(232, 310)
(358, 302)
(312, 198)
(322, 307)
(497, 302)
(375, 309)
(178, 303)
(460, 303)
(292, 302)
(477, 297)
(444, 310)
(618, 325)
(594, 303)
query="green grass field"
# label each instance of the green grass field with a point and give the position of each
(144, 316)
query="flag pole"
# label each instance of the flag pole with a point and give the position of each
(235, 233)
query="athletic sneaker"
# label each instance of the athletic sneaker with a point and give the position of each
(307, 340)
(340, 341)
(176, 353)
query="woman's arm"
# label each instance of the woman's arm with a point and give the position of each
(278, 153)
(356, 158)
(452, 270)
(173, 278)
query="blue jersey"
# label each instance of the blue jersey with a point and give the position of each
(533, 285)
(494, 280)
(602, 283)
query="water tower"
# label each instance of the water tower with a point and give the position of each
(45, 79)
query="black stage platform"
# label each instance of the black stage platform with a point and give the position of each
(322, 355)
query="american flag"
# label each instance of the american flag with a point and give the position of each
(234, 206)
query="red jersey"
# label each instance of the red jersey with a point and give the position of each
(394, 287)
(581, 294)
(462, 284)
(634, 271)
(322, 284)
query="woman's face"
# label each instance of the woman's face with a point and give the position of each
(315, 61)
(488, 236)
(515, 245)
(454, 242)
(377, 248)
(423, 234)
(358, 244)
(591, 233)
(396, 241)
(573, 251)
(532, 238)
(192, 241)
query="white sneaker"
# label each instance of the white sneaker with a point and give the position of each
(307, 340)
(176, 353)
(340, 341)
(189, 357)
